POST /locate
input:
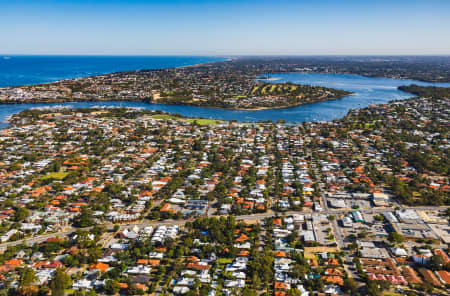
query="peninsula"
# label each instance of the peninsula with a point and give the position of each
(238, 83)
(233, 84)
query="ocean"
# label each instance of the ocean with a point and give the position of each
(22, 70)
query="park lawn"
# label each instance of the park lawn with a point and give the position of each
(55, 175)
(310, 256)
(265, 89)
(387, 293)
(200, 121)
(224, 261)
(203, 121)
(270, 89)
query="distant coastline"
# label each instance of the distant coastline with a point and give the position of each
(193, 85)
(374, 91)
(22, 70)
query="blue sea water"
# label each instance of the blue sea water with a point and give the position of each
(366, 90)
(21, 70)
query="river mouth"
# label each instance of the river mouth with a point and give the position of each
(365, 91)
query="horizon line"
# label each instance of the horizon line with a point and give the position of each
(227, 55)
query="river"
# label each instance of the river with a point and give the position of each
(367, 91)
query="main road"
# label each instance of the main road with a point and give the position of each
(248, 218)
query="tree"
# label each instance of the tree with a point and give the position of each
(350, 286)
(249, 292)
(21, 214)
(395, 237)
(436, 262)
(293, 292)
(378, 218)
(134, 290)
(256, 281)
(98, 230)
(376, 288)
(85, 219)
(60, 282)
(27, 277)
(112, 287)
(84, 293)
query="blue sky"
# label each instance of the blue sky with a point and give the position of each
(298, 27)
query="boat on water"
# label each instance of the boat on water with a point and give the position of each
(6, 58)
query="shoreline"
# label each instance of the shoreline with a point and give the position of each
(113, 72)
(197, 65)
(356, 74)
(259, 108)
(7, 120)
(228, 59)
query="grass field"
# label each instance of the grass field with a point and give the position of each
(55, 175)
(190, 120)
(224, 260)
(274, 89)
(387, 293)
(310, 256)
(203, 121)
